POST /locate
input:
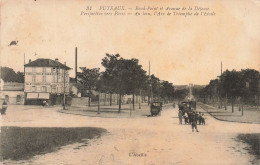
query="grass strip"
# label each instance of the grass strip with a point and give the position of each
(253, 140)
(21, 143)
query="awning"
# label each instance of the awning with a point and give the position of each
(32, 95)
(38, 95)
(44, 95)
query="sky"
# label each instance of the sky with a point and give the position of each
(180, 49)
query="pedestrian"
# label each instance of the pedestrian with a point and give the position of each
(200, 118)
(180, 116)
(4, 107)
(194, 122)
(197, 117)
(189, 116)
(43, 103)
(186, 119)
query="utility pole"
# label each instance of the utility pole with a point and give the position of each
(64, 84)
(220, 86)
(151, 87)
(149, 83)
(23, 65)
(76, 64)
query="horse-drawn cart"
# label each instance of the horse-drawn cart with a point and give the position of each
(156, 108)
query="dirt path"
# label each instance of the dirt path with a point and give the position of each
(150, 140)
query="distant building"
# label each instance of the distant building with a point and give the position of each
(74, 88)
(12, 92)
(45, 80)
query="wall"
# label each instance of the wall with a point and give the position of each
(12, 96)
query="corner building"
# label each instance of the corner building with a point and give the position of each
(46, 80)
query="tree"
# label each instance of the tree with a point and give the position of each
(9, 75)
(123, 76)
(19, 77)
(250, 85)
(243, 85)
(181, 94)
(115, 74)
(88, 78)
(155, 86)
(136, 77)
(167, 91)
(231, 84)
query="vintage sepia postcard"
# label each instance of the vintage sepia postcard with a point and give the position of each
(137, 82)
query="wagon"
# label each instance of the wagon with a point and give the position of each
(187, 106)
(156, 108)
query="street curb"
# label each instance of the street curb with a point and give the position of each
(227, 120)
(67, 112)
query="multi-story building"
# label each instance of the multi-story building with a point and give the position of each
(46, 79)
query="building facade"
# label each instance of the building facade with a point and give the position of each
(12, 92)
(46, 80)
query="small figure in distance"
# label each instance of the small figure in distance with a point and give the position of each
(186, 118)
(173, 105)
(203, 119)
(4, 107)
(180, 116)
(194, 122)
(200, 118)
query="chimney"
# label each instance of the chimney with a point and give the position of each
(76, 64)
(30, 60)
(56, 59)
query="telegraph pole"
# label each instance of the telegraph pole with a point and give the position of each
(221, 68)
(64, 83)
(23, 65)
(76, 64)
(151, 87)
(220, 87)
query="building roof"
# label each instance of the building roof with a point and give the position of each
(42, 62)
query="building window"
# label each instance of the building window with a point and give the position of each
(7, 98)
(44, 69)
(18, 98)
(34, 78)
(53, 70)
(53, 78)
(43, 78)
(53, 90)
(33, 88)
(44, 89)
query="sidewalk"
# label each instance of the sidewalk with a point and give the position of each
(249, 116)
(111, 111)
